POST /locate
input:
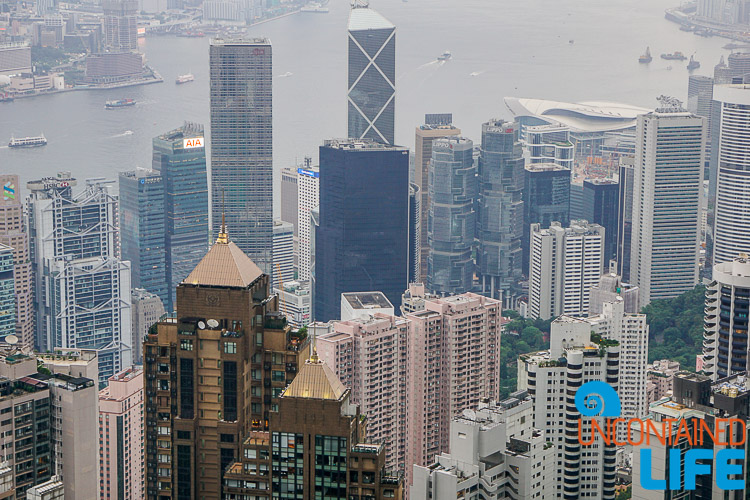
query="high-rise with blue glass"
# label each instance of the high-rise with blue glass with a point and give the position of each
(242, 144)
(7, 293)
(372, 75)
(180, 158)
(361, 243)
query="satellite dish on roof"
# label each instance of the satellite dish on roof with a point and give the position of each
(201, 325)
(11, 339)
(212, 323)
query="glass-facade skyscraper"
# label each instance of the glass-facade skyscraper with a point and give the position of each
(7, 293)
(372, 75)
(180, 158)
(500, 216)
(362, 241)
(601, 205)
(242, 144)
(451, 219)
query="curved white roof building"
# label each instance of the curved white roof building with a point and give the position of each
(590, 116)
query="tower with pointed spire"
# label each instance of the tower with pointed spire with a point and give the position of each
(214, 372)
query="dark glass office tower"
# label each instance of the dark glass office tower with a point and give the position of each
(362, 241)
(242, 144)
(142, 240)
(180, 158)
(500, 216)
(546, 198)
(625, 217)
(372, 75)
(451, 221)
(601, 205)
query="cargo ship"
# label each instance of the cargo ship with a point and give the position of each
(121, 103)
(27, 142)
(693, 64)
(184, 79)
(676, 56)
(646, 58)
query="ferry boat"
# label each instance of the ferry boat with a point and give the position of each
(445, 56)
(693, 64)
(121, 103)
(646, 58)
(675, 56)
(184, 79)
(315, 8)
(27, 142)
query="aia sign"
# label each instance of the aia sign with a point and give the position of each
(193, 142)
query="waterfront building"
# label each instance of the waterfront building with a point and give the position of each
(213, 373)
(732, 214)
(451, 221)
(283, 253)
(315, 447)
(549, 144)
(667, 189)
(364, 304)
(289, 199)
(121, 461)
(147, 310)
(625, 216)
(725, 336)
(142, 231)
(495, 446)
(499, 254)
(308, 198)
(361, 242)
(295, 302)
(120, 25)
(700, 410)
(565, 264)
(15, 58)
(601, 198)
(371, 95)
(739, 65)
(551, 378)
(7, 293)
(546, 198)
(242, 144)
(14, 234)
(83, 287)
(106, 68)
(180, 157)
(424, 136)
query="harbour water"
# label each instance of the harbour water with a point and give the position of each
(500, 48)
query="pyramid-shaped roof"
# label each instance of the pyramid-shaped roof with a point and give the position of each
(364, 18)
(315, 380)
(224, 265)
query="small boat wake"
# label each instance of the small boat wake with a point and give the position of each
(477, 73)
(124, 134)
(285, 75)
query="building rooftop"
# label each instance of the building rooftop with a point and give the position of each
(364, 18)
(224, 265)
(315, 380)
(360, 145)
(367, 300)
(544, 167)
(241, 41)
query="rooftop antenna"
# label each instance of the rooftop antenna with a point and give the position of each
(223, 236)
(314, 356)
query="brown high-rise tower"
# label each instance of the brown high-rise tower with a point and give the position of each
(213, 373)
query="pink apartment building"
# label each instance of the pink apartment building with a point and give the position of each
(121, 437)
(411, 375)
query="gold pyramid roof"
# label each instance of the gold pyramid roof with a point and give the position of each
(224, 265)
(315, 380)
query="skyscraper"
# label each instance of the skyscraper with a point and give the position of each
(283, 253)
(180, 158)
(372, 75)
(565, 264)
(500, 217)
(601, 200)
(667, 190)
(550, 144)
(120, 24)
(147, 310)
(546, 198)
(415, 233)
(732, 213)
(308, 197)
(82, 285)
(361, 243)
(425, 135)
(625, 216)
(7, 293)
(452, 220)
(142, 230)
(13, 233)
(725, 346)
(242, 144)
(289, 203)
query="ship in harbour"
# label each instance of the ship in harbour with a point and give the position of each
(27, 142)
(693, 64)
(120, 103)
(646, 57)
(445, 56)
(184, 78)
(675, 56)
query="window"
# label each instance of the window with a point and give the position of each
(230, 347)
(186, 344)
